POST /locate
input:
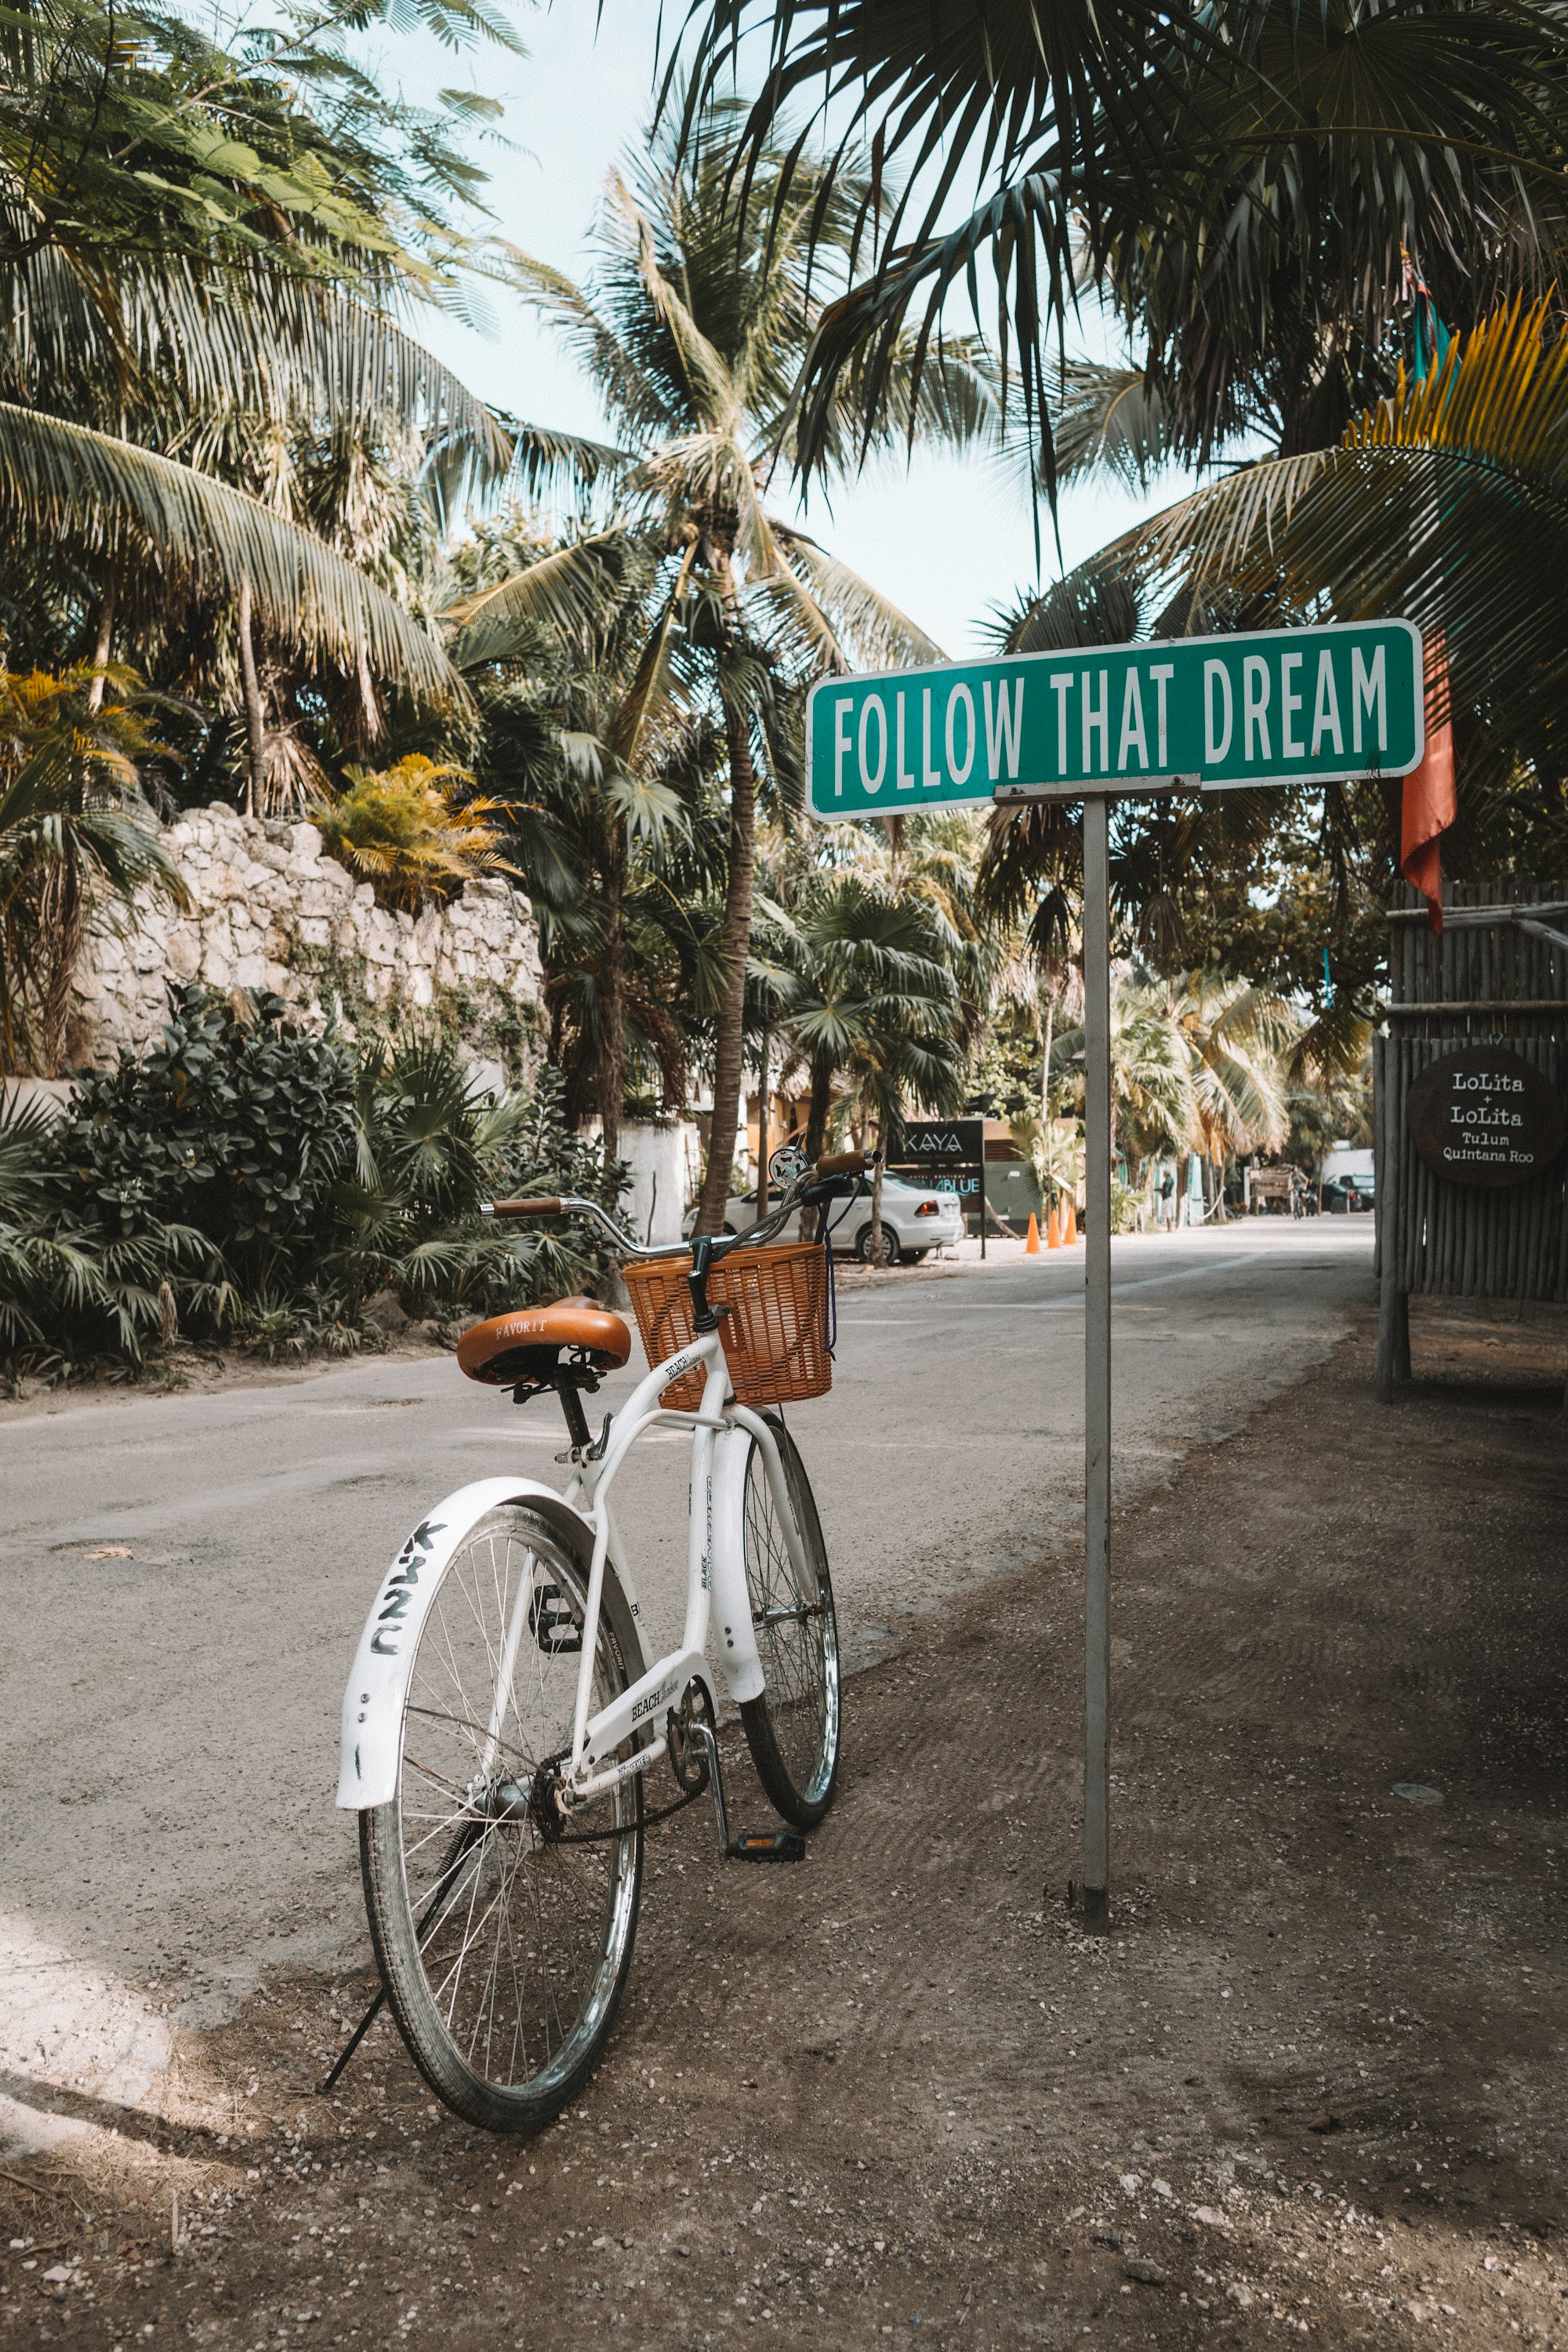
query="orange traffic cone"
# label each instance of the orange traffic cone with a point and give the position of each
(1053, 1229)
(1070, 1234)
(1032, 1247)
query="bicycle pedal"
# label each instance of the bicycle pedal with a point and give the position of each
(760, 1845)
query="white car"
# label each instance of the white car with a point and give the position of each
(916, 1219)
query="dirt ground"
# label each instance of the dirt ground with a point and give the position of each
(1313, 2081)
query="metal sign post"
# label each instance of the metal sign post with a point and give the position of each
(1093, 725)
(1097, 1364)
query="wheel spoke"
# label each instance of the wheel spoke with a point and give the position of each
(515, 1976)
(796, 1635)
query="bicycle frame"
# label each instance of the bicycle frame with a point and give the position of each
(715, 1581)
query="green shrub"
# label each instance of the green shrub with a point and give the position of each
(76, 1288)
(406, 830)
(1126, 1208)
(238, 1123)
(247, 1182)
(431, 1148)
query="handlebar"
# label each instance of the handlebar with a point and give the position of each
(806, 1190)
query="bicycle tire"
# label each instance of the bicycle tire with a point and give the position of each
(457, 1869)
(792, 1728)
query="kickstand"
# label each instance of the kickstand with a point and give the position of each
(747, 1846)
(324, 2090)
(456, 1852)
(780, 1845)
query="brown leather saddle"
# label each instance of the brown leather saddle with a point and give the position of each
(527, 1344)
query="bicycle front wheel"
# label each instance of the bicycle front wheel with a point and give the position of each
(503, 1945)
(791, 1729)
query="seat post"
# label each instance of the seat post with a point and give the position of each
(570, 1397)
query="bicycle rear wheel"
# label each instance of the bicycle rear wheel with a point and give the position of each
(791, 1729)
(504, 1947)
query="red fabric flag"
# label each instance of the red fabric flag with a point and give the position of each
(1431, 804)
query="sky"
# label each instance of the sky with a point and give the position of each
(946, 537)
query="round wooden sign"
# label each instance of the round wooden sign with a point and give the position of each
(1485, 1116)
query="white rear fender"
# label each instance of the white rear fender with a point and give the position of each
(372, 1703)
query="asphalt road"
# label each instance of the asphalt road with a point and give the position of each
(168, 1751)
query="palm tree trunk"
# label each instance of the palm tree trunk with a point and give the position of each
(1047, 1137)
(734, 942)
(762, 1055)
(612, 1084)
(254, 715)
(62, 911)
(102, 650)
(817, 1106)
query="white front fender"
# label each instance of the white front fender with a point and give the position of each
(372, 1703)
(733, 1634)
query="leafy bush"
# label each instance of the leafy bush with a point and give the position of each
(248, 1182)
(238, 1123)
(73, 1289)
(402, 830)
(431, 1148)
(1126, 1208)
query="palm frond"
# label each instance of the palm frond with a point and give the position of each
(565, 591)
(635, 396)
(248, 338)
(1446, 503)
(709, 388)
(544, 459)
(864, 628)
(1097, 605)
(1300, 150)
(1112, 421)
(65, 484)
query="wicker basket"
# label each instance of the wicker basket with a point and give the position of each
(774, 1335)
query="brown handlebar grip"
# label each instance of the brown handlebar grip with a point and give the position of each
(545, 1205)
(843, 1164)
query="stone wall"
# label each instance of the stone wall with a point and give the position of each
(273, 912)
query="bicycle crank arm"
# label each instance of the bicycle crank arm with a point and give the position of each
(747, 1846)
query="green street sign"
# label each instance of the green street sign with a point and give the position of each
(1282, 706)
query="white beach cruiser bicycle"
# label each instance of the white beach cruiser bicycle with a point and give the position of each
(502, 1720)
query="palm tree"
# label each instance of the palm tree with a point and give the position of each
(1237, 1037)
(1447, 502)
(1199, 1063)
(76, 840)
(869, 1006)
(203, 257)
(1245, 179)
(1152, 1098)
(694, 334)
(599, 749)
